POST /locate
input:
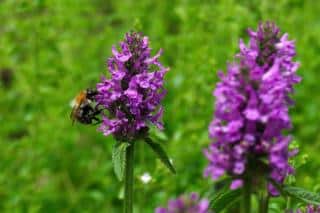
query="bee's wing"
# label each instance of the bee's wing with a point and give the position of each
(74, 105)
(72, 114)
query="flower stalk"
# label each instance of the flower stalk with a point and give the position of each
(129, 180)
(246, 197)
(264, 203)
(264, 199)
(288, 203)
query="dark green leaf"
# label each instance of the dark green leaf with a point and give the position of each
(224, 199)
(119, 159)
(161, 154)
(302, 194)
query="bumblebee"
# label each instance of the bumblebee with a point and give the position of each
(83, 110)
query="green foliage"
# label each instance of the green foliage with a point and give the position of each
(55, 48)
(302, 194)
(119, 159)
(224, 199)
(161, 154)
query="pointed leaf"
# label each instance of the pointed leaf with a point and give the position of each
(219, 186)
(298, 193)
(302, 194)
(119, 159)
(224, 199)
(161, 154)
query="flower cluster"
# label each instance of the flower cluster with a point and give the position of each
(133, 94)
(251, 110)
(186, 204)
(309, 209)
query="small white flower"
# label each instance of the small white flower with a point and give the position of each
(145, 178)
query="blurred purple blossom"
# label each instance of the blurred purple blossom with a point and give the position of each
(133, 95)
(251, 110)
(186, 204)
(308, 209)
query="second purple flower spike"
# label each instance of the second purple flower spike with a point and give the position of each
(251, 111)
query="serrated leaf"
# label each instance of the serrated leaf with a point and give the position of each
(119, 159)
(302, 194)
(161, 154)
(224, 199)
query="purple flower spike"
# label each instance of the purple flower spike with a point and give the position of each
(133, 95)
(186, 204)
(251, 110)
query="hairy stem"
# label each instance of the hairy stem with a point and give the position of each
(128, 190)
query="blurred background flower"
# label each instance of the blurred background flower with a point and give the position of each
(307, 209)
(186, 204)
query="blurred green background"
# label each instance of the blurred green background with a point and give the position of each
(51, 49)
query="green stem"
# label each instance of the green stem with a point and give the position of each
(264, 203)
(128, 181)
(264, 197)
(288, 207)
(246, 197)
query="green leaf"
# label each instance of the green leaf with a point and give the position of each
(298, 193)
(219, 186)
(302, 194)
(161, 154)
(224, 199)
(119, 159)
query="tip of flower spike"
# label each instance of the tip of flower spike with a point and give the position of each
(135, 41)
(268, 27)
